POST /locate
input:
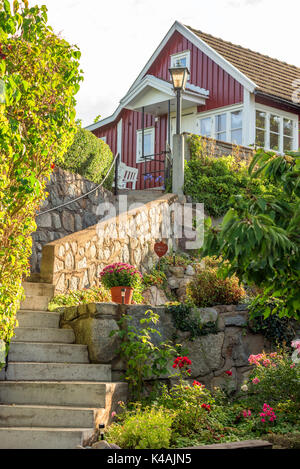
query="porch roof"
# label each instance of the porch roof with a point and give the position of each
(153, 94)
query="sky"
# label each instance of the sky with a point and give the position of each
(117, 37)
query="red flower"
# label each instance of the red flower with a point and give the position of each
(189, 371)
(52, 165)
(229, 373)
(196, 383)
(206, 407)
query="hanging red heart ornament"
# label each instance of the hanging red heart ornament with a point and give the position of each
(160, 249)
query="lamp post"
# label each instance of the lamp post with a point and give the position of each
(179, 77)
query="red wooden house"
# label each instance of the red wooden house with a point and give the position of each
(233, 95)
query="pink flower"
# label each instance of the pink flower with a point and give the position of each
(113, 414)
(293, 365)
(255, 381)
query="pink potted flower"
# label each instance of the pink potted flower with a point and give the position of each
(121, 279)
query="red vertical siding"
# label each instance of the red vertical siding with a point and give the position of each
(224, 90)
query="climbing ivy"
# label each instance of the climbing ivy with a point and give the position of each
(39, 76)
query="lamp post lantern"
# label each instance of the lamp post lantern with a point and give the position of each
(179, 77)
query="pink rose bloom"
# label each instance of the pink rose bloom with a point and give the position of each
(113, 414)
(255, 381)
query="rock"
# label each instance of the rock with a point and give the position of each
(206, 314)
(205, 353)
(238, 320)
(173, 283)
(155, 296)
(102, 444)
(68, 221)
(190, 270)
(45, 220)
(177, 271)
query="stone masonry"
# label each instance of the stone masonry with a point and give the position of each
(64, 187)
(75, 261)
(211, 355)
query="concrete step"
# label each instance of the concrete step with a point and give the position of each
(55, 371)
(47, 353)
(39, 319)
(43, 438)
(63, 393)
(35, 303)
(48, 335)
(46, 416)
(38, 289)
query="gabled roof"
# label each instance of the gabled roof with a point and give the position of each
(272, 76)
(255, 71)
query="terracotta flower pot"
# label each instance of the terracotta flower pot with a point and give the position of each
(116, 295)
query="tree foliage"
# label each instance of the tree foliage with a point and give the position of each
(260, 236)
(40, 74)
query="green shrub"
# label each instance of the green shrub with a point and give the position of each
(148, 428)
(208, 289)
(79, 297)
(276, 329)
(212, 180)
(90, 157)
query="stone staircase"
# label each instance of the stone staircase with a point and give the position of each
(51, 397)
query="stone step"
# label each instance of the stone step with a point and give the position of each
(43, 438)
(40, 319)
(47, 353)
(55, 371)
(46, 416)
(48, 335)
(38, 289)
(63, 393)
(35, 303)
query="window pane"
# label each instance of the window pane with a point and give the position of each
(221, 136)
(205, 127)
(274, 141)
(237, 136)
(148, 144)
(287, 143)
(288, 127)
(221, 123)
(236, 120)
(261, 119)
(274, 123)
(260, 138)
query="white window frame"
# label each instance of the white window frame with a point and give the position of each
(282, 115)
(217, 112)
(185, 54)
(147, 131)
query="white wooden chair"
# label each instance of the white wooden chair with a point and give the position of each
(127, 174)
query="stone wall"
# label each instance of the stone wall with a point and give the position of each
(219, 148)
(76, 261)
(211, 355)
(64, 187)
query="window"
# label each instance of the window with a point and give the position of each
(103, 138)
(205, 127)
(149, 138)
(274, 131)
(183, 59)
(288, 138)
(260, 128)
(237, 127)
(227, 126)
(221, 127)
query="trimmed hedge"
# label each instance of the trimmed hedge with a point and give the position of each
(90, 157)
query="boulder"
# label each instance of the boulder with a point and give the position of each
(155, 296)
